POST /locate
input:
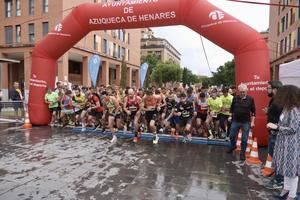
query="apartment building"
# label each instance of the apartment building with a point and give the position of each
(25, 22)
(284, 34)
(158, 46)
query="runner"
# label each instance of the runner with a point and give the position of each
(184, 110)
(113, 110)
(214, 108)
(170, 121)
(132, 109)
(201, 103)
(94, 112)
(149, 105)
(67, 109)
(52, 99)
(79, 103)
(226, 99)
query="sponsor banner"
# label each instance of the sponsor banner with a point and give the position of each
(143, 73)
(94, 66)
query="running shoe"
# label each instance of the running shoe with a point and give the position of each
(155, 139)
(274, 185)
(189, 137)
(211, 137)
(114, 139)
(135, 139)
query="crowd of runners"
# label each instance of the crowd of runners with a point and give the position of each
(203, 112)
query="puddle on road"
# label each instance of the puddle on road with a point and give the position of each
(67, 167)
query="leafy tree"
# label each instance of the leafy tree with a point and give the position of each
(189, 78)
(224, 74)
(166, 72)
(123, 81)
(185, 79)
(152, 61)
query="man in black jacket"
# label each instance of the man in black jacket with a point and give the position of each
(243, 116)
(273, 113)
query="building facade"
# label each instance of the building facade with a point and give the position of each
(284, 34)
(26, 22)
(158, 46)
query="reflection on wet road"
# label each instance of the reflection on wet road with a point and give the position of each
(46, 163)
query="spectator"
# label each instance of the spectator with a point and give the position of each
(242, 109)
(16, 95)
(286, 160)
(273, 113)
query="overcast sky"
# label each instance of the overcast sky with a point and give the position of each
(189, 43)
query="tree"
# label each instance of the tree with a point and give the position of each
(123, 81)
(152, 61)
(224, 74)
(166, 72)
(189, 78)
(185, 76)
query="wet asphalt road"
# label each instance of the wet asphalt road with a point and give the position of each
(51, 163)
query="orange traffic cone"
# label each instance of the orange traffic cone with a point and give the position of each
(27, 123)
(268, 171)
(239, 142)
(250, 138)
(248, 149)
(254, 154)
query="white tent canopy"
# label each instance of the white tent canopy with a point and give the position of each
(289, 73)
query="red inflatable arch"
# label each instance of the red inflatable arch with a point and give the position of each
(248, 47)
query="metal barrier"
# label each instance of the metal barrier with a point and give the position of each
(12, 110)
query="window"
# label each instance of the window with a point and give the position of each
(285, 44)
(45, 6)
(290, 42)
(18, 33)
(31, 7)
(119, 51)
(128, 55)
(95, 42)
(282, 24)
(119, 34)
(287, 21)
(298, 41)
(123, 52)
(128, 39)
(292, 16)
(105, 46)
(281, 47)
(18, 7)
(114, 50)
(8, 34)
(31, 32)
(299, 8)
(8, 8)
(124, 35)
(45, 28)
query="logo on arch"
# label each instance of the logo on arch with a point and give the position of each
(58, 27)
(216, 15)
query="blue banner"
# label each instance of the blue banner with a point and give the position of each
(94, 66)
(143, 73)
